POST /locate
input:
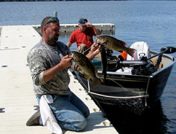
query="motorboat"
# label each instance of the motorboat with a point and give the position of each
(133, 85)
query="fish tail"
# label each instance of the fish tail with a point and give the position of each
(131, 51)
(96, 82)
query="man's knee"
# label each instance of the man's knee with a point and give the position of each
(73, 121)
(80, 124)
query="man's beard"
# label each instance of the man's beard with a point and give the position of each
(53, 40)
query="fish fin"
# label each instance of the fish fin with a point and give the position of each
(131, 51)
(86, 76)
(96, 82)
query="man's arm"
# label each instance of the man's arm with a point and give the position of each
(96, 31)
(39, 67)
(69, 44)
(71, 39)
(95, 49)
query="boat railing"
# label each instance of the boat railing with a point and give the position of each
(114, 96)
(118, 97)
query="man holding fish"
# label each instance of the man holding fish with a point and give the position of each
(49, 61)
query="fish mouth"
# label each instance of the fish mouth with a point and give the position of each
(102, 43)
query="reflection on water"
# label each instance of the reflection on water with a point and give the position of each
(152, 121)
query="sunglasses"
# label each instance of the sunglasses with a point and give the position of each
(52, 19)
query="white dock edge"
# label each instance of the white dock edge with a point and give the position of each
(17, 99)
(105, 28)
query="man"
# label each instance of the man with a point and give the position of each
(83, 36)
(49, 61)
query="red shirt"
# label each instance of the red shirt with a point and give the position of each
(80, 37)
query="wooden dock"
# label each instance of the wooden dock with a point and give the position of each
(105, 28)
(17, 99)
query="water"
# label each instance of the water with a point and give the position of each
(150, 21)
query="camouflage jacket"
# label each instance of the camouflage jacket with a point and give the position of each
(42, 57)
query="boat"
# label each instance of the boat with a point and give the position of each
(131, 86)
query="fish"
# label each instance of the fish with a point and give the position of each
(85, 67)
(104, 61)
(114, 44)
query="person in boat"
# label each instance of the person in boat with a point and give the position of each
(83, 36)
(49, 61)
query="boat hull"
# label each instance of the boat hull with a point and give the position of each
(137, 94)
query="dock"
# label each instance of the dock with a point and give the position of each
(105, 28)
(17, 99)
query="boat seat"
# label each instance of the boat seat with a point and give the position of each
(142, 50)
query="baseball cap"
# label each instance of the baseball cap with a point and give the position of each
(83, 21)
(49, 19)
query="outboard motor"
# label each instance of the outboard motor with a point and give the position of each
(142, 50)
(142, 54)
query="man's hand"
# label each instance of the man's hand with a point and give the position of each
(66, 61)
(95, 48)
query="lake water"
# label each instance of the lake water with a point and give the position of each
(150, 21)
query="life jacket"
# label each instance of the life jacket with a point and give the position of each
(123, 55)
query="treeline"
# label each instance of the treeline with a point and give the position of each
(58, 0)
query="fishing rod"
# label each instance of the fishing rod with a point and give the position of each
(166, 50)
(89, 49)
(86, 50)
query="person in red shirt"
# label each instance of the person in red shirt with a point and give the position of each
(83, 36)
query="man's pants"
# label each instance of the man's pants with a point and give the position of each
(70, 112)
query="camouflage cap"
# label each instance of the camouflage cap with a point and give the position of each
(49, 19)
